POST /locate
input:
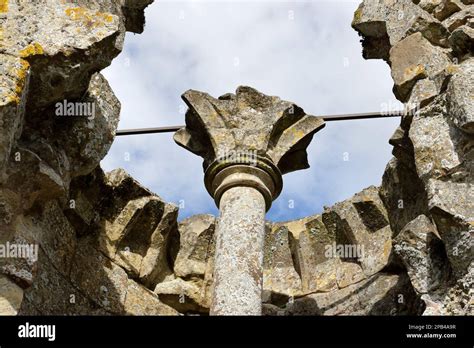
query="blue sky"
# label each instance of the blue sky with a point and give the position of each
(302, 51)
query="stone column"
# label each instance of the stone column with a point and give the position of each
(239, 254)
(248, 140)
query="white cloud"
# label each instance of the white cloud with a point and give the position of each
(305, 52)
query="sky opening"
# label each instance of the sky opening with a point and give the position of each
(302, 51)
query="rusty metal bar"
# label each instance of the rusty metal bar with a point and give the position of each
(329, 118)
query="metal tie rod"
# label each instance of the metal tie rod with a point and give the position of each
(342, 117)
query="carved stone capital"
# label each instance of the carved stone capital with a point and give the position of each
(247, 139)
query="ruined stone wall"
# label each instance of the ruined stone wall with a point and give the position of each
(107, 245)
(428, 187)
(52, 51)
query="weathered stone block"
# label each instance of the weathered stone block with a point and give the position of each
(87, 139)
(429, 5)
(435, 152)
(423, 254)
(11, 296)
(52, 293)
(348, 273)
(381, 294)
(415, 58)
(14, 81)
(131, 233)
(363, 220)
(56, 236)
(196, 246)
(462, 41)
(117, 229)
(155, 264)
(34, 179)
(81, 42)
(451, 205)
(309, 240)
(23, 233)
(120, 188)
(447, 8)
(184, 296)
(141, 301)
(460, 100)
(423, 93)
(100, 279)
(279, 273)
(459, 18)
(384, 23)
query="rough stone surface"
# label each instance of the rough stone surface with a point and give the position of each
(451, 205)
(421, 249)
(52, 193)
(295, 263)
(90, 146)
(142, 301)
(427, 187)
(247, 121)
(382, 24)
(109, 246)
(67, 34)
(103, 281)
(190, 297)
(14, 80)
(434, 155)
(280, 275)
(51, 52)
(423, 93)
(381, 294)
(462, 41)
(460, 97)
(11, 296)
(196, 246)
(155, 264)
(459, 18)
(239, 254)
(53, 294)
(362, 224)
(415, 58)
(447, 8)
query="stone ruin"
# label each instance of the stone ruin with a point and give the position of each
(109, 246)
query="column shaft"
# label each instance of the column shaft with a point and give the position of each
(240, 234)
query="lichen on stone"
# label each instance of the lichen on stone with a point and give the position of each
(32, 49)
(120, 248)
(88, 17)
(3, 6)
